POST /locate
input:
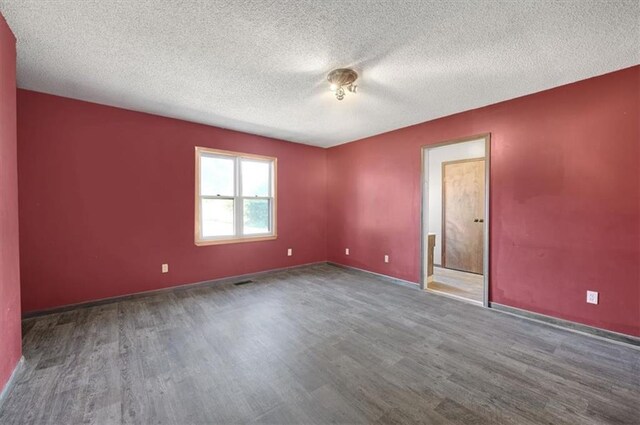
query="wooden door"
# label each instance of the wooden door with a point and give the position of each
(463, 214)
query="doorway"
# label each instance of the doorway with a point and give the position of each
(455, 218)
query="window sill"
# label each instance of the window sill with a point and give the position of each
(205, 242)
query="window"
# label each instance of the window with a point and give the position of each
(235, 197)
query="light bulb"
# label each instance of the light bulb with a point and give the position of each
(333, 87)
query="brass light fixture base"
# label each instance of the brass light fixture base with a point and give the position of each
(340, 78)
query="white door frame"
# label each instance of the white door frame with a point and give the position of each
(425, 208)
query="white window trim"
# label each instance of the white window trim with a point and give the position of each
(238, 218)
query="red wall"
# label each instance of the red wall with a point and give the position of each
(565, 199)
(106, 197)
(10, 334)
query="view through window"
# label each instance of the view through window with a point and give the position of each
(235, 197)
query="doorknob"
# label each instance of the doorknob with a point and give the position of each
(476, 220)
(481, 220)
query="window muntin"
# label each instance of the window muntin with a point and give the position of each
(235, 197)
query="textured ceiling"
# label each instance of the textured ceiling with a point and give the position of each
(260, 66)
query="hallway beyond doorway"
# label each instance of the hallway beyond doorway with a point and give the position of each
(458, 283)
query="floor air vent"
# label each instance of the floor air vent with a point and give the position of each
(243, 282)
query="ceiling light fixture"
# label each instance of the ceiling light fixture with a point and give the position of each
(342, 78)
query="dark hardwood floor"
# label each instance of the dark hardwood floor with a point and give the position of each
(315, 345)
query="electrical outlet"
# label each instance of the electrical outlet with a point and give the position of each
(592, 297)
(289, 252)
(346, 251)
(386, 258)
(165, 268)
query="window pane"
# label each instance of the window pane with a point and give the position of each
(217, 217)
(255, 178)
(256, 216)
(216, 176)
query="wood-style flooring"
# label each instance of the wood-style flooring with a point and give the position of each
(458, 283)
(315, 345)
